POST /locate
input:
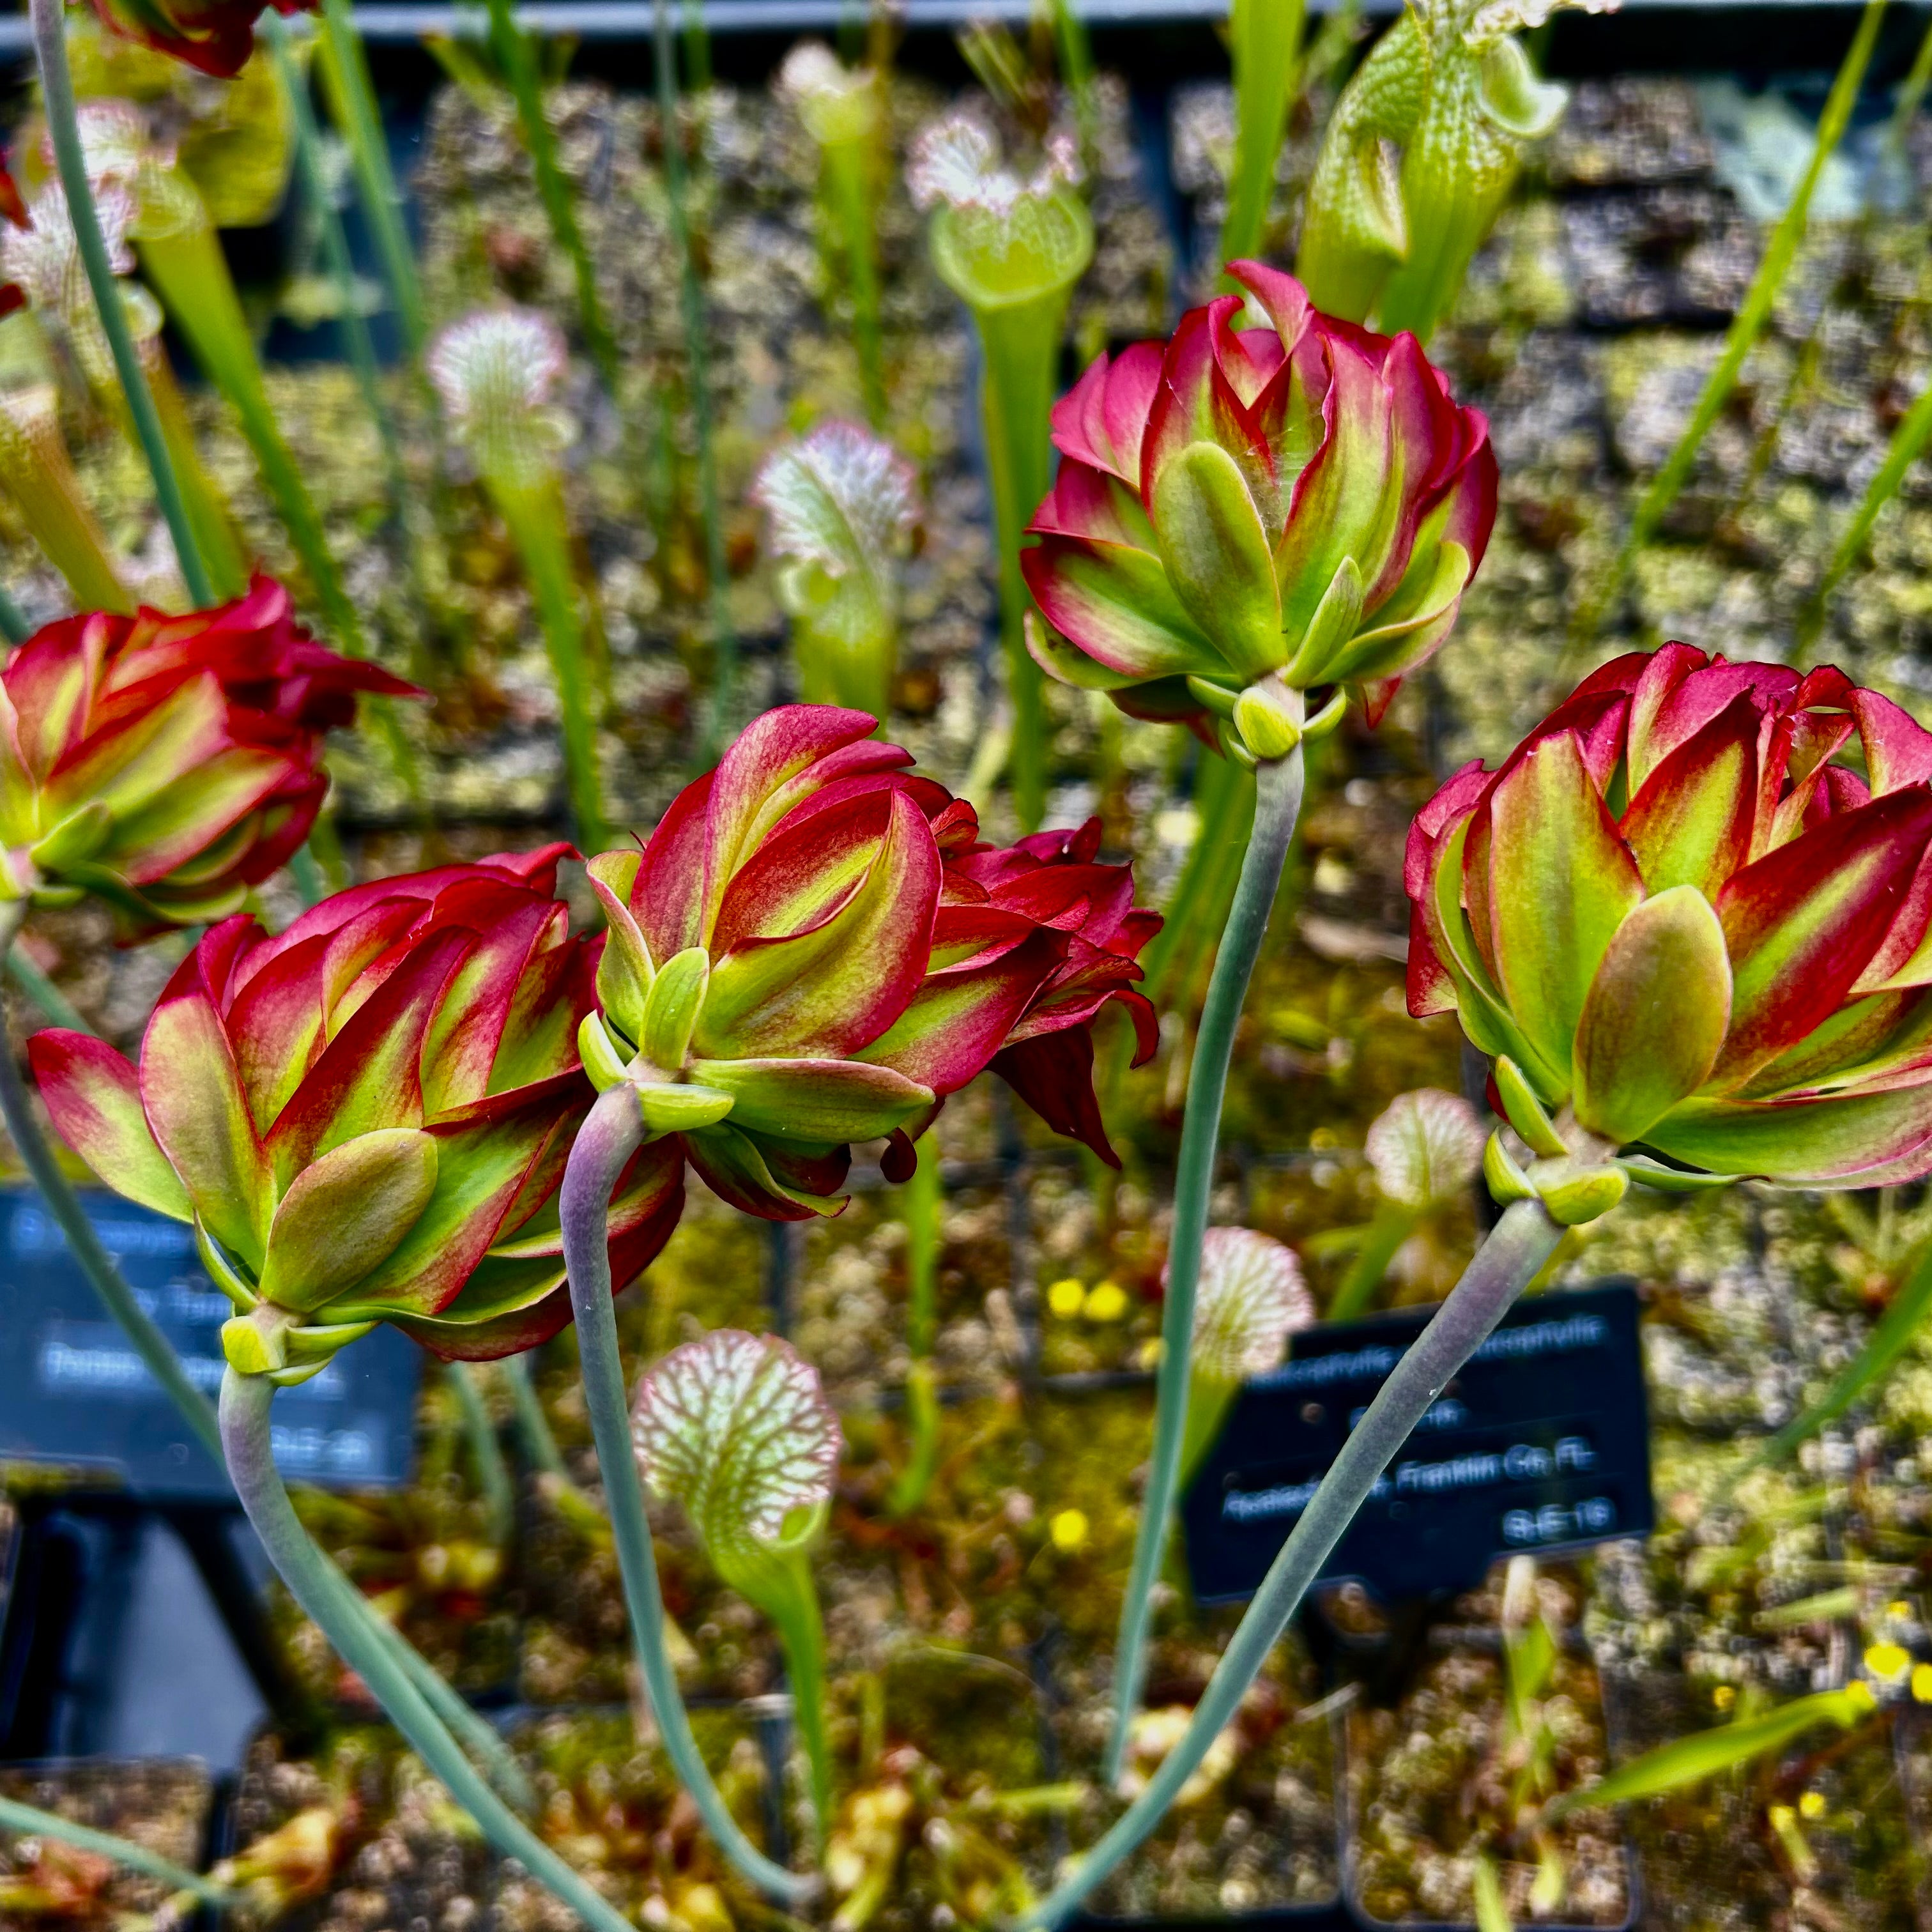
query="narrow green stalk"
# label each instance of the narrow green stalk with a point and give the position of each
(517, 55)
(1392, 1225)
(779, 1582)
(1209, 1398)
(691, 301)
(486, 1452)
(1749, 324)
(44, 994)
(845, 178)
(245, 1403)
(13, 625)
(38, 474)
(220, 548)
(1908, 441)
(29, 1821)
(1264, 38)
(1518, 1245)
(1074, 53)
(532, 506)
(1019, 377)
(1277, 804)
(189, 272)
(610, 1136)
(533, 1429)
(57, 89)
(1911, 96)
(925, 1198)
(350, 321)
(1224, 799)
(1905, 1315)
(351, 97)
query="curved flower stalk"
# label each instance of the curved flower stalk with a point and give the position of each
(365, 1117)
(497, 371)
(1012, 249)
(735, 1429)
(843, 110)
(813, 948)
(1243, 515)
(37, 473)
(181, 258)
(1251, 1299)
(167, 764)
(1685, 916)
(1425, 1149)
(1419, 155)
(843, 504)
(215, 37)
(42, 257)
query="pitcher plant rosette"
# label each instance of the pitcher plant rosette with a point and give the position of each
(1688, 918)
(815, 948)
(365, 1118)
(166, 764)
(1246, 514)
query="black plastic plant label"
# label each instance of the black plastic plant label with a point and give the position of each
(1541, 1444)
(74, 1392)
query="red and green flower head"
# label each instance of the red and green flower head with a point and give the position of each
(366, 1117)
(1689, 916)
(167, 764)
(215, 37)
(815, 948)
(1243, 514)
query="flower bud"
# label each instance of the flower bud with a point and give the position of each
(167, 763)
(1691, 908)
(1297, 504)
(366, 1117)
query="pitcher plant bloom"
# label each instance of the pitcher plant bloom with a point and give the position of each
(1252, 1299)
(365, 1117)
(1419, 157)
(815, 948)
(1688, 916)
(214, 37)
(1246, 514)
(166, 764)
(843, 505)
(1011, 244)
(735, 1429)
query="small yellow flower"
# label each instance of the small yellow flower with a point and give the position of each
(1812, 1804)
(1151, 1352)
(1888, 1662)
(1068, 1530)
(1782, 1817)
(1107, 1302)
(1898, 1607)
(1066, 1297)
(1921, 1683)
(1723, 1696)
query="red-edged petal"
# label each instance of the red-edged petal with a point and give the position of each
(1054, 1075)
(94, 1097)
(1804, 922)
